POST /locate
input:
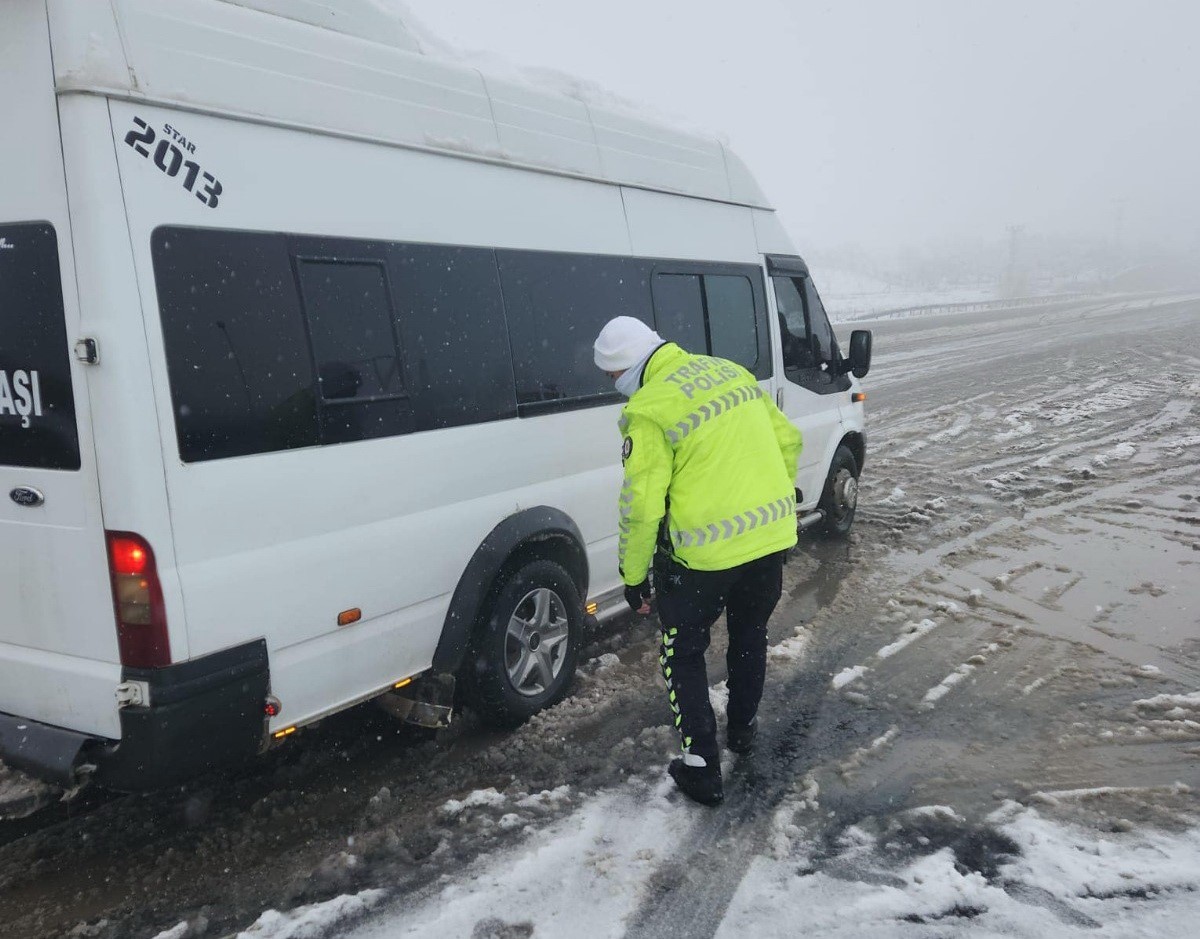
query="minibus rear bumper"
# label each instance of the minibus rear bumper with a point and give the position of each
(201, 715)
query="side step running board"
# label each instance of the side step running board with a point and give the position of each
(807, 521)
(612, 609)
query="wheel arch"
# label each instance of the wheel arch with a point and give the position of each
(856, 442)
(538, 532)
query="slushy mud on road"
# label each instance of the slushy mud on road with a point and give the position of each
(983, 711)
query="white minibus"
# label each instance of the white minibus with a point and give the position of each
(297, 403)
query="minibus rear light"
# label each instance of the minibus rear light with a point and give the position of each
(138, 602)
(129, 557)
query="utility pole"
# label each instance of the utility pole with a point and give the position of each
(1013, 285)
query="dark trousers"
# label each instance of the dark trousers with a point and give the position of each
(689, 602)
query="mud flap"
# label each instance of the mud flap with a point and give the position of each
(48, 753)
(427, 702)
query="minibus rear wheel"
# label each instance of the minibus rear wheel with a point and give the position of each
(528, 647)
(839, 499)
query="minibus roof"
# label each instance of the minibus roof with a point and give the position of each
(347, 67)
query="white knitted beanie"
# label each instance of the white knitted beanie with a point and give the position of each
(623, 343)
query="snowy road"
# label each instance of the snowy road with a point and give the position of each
(983, 713)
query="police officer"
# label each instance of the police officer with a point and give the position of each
(709, 500)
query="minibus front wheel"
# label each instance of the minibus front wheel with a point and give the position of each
(839, 499)
(526, 652)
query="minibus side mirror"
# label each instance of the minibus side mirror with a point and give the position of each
(860, 353)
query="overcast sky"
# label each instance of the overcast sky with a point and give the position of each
(886, 122)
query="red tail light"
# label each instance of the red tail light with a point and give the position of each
(138, 600)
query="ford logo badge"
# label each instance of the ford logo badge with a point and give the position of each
(27, 497)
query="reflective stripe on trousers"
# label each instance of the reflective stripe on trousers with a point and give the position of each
(666, 653)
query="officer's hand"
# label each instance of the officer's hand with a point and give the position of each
(638, 597)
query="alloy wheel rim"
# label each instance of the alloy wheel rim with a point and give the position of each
(535, 644)
(845, 491)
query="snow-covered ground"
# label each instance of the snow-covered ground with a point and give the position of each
(1047, 876)
(1052, 878)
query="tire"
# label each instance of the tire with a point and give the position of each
(839, 499)
(528, 644)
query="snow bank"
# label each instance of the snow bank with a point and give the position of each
(1170, 703)
(1170, 716)
(913, 632)
(314, 920)
(480, 797)
(848, 675)
(956, 677)
(1122, 451)
(792, 649)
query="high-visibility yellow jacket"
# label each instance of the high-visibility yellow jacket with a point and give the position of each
(707, 450)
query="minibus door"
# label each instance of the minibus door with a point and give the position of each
(810, 390)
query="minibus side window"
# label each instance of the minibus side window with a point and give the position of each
(799, 306)
(359, 377)
(679, 310)
(733, 332)
(456, 353)
(818, 322)
(238, 358)
(789, 296)
(712, 313)
(556, 305)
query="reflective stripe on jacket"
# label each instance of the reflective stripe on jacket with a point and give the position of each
(701, 437)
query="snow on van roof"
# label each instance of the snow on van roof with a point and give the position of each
(369, 69)
(385, 21)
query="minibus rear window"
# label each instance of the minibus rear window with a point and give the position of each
(37, 403)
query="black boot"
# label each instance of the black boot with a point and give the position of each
(700, 783)
(740, 737)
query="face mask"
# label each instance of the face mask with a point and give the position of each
(628, 383)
